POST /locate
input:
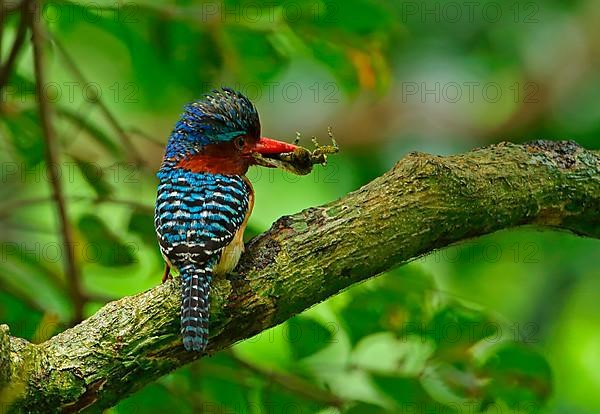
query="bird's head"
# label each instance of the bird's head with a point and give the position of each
(220, 134)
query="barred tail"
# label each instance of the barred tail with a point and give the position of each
(195, 306)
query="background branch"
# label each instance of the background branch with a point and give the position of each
(7, 68)
(291, 382)
(51, 157)
(424, 203)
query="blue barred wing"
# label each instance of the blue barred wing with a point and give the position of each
(197, 215)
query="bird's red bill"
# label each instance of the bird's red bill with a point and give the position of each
(268, 146)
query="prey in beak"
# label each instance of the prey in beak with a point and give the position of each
(290, 157)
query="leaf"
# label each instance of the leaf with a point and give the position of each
(94, 176)
(183, 56)
(30, 273)
(18, 314)
(336, 58)
(350, 39)
(280, 399)
(456, 328)
(225, 386)
(364, 408)
(26, 136)
(256, 57)
(141, 223)
(94, 132)
(155, 399)
(187, 55)
(386, 353)
(306, 336)
(451, 376)
(398, 302)
(451, 386)
(102, 246)
(407, 392)
(357, 17)
(518, 375)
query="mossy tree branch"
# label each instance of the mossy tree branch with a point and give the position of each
(424, 203)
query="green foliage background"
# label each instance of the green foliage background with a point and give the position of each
(505, 323)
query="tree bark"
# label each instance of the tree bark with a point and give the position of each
(424, 203)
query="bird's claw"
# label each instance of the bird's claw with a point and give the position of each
(167, 274)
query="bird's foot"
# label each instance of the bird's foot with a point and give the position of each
(167, 274)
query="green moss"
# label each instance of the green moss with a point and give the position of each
(299, 226)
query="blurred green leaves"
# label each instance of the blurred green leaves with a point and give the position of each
(397, 304)
(142, 224)
(94, 177)
(307, 336)
(108, 249)
(25, 135)
(399, 343)
(517, 375)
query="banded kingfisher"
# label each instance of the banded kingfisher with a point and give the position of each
(204, 199)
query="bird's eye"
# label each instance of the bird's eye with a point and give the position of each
(239, 142)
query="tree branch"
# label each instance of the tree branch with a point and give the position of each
(5, 370)
(424, 203)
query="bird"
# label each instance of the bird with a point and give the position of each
(204, 198)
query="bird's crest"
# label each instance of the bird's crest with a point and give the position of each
(219, 117)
